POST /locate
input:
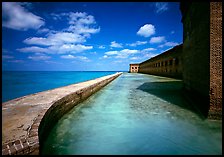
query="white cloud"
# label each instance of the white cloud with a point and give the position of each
(146, 30)
(7, 57)
(81, 23)
(161, 7)
(66, 41)
(137, 43)
(125, 53)
(83, 58)
(56, 39)
(155, 40)
(105, 56)
(148, 49)
(33, 49)
(68, 56)
(17, 17)
(69, 48)
(60, 49)
(111, 53)
(44, 30)
(38, 57)
(169, 44)
(80, 29)
(101, 47)
(135, 58)
(115, 44)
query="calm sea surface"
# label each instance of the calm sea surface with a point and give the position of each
(20, 83)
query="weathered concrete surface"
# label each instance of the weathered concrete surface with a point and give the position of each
(21, 117)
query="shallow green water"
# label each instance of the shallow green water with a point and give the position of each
(135, 114)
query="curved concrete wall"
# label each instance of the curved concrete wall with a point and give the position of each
(29, 119)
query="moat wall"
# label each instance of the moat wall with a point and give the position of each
(40, 112)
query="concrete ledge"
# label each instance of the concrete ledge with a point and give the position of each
(26, 121)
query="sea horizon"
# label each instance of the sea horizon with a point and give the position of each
(17, 84)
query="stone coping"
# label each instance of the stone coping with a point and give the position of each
(24, 119)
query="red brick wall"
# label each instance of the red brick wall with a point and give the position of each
(168, 64)
(133, 68)
(215, 59)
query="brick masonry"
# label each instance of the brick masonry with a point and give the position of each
(202, 55)
(168, 64)
(215, 109)
(47, 117)
(133, 68)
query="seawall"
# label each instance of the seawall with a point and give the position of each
(27, 120)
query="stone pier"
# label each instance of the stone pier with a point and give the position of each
(27, 120)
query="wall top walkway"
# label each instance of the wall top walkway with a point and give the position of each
(19, 114)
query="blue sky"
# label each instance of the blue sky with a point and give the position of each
(86, 36)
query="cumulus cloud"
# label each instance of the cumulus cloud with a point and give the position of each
(111, 53)
(57, 49)
(155, 40)
(43, 30)
(115, 44)
(81, 23)
(105, 56)
(56, 39)
(169, 44)
(125, 53)
(17, 17)
(161, 7)
(102, 47)
(33, 49)
(38, 57)
(83, 58)
(135, 58)
(68, 56)
(137, 43)
(146, 30)
(148, 49)
(66, 41)
(65, 48)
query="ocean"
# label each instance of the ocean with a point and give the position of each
(16, 84)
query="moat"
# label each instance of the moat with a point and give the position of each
(135, 114)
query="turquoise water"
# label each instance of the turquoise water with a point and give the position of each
(135, 114)
(20, 83)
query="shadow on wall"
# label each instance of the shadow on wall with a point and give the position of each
(171, 91)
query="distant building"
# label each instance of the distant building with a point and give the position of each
(168, 63)
(134, 68)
